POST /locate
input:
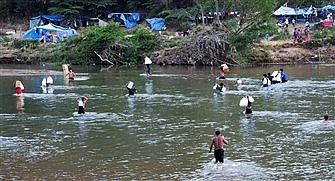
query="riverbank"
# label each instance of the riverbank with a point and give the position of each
(196, 50)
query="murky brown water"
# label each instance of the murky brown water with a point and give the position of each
(164, 131)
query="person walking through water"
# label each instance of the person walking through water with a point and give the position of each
(248, 108)
(81, 104)
(70, 74)
(148, 62)
(218, 141)
(265, 81)
(223, 68)
(18, 87)
(131, 88)
(325, 119)
(283, 76)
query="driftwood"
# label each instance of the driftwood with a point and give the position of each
(113, 54)
(103, 59)
(206, 48)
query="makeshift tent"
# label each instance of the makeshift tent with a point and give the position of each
(44, 19)
(330, 8)
(99, 21)
(36, 33)
(284, 11)
(81, 21)
(156, 23)
(128, 19)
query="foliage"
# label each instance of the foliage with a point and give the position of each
(173, 42)
(32, 44)
(304, 3)
(115, 44)
(324, 32)
(180, 18)
(253, 22)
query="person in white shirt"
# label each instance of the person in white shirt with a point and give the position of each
(81, 104)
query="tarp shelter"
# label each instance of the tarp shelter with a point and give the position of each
(81, 21)
(44, 19)
(156, 23)
(330, 8)
(128, 19)
(284, 11)
(36, 33)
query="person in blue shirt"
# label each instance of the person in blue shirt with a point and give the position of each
(283, 76)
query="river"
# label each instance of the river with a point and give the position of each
(164, 131)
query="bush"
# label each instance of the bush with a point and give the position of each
(324, 32)
(25, 43)
(120, 46)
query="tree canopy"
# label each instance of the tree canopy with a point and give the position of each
(19, 9)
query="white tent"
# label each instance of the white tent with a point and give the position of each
(284, 11)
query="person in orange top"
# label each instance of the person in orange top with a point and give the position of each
(218, 141)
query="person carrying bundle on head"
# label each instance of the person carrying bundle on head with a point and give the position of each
(266, 81)
(131, 88)
(223, 69)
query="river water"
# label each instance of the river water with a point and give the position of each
(164, 131)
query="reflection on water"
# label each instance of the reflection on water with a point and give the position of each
(164, 134)
(149, 87)
(19, 103)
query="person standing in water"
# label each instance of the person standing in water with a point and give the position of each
(49, 81)
(18, 87)
(70, 74)
(223, 68)
(283, 76)
(131, 88)
(325, 119)
(220, 87)
(81, 104)
(218, 141)
(265, 81)
(147, 62)
(248, 108)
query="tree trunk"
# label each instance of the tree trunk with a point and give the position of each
(216, 4)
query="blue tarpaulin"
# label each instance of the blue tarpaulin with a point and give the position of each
(128, 19)
(36, 33)
(55, 18)
(156, 23)
(39, 20)
(330, 8)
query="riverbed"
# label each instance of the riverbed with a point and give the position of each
(164, 131)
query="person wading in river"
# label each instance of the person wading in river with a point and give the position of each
(218, 141)
(70, 75)
(81, 104)
(325, 120)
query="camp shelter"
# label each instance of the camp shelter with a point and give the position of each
(81, 21)
(330, 8)
(156, 23)
(36, 33)
(284, 11)
(45, 19)
(99, 21)
(129, 20)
